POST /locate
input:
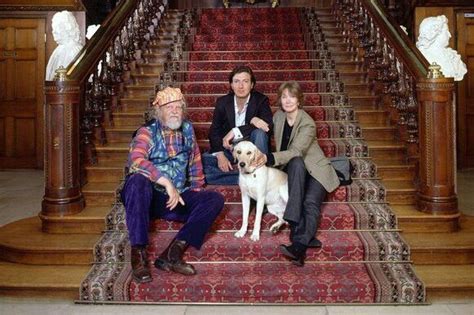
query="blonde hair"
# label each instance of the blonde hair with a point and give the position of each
(294, 89)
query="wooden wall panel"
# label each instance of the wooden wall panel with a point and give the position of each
(24, 145)
(465, 92)
(25, 70)
(2, 136)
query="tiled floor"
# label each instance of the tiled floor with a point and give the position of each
(20, 196)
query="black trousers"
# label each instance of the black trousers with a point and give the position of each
(303, 210)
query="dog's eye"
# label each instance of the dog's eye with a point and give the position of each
(238, 151)
(248, 152)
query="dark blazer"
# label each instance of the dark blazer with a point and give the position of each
(223, 119)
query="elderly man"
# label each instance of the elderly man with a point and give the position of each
(165, 181)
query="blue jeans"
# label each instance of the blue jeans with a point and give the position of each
(214, 175)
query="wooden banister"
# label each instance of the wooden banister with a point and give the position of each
(399, 71)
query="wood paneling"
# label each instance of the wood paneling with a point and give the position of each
(22, 63)
(465, 91)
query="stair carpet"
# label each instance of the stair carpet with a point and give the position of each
(363, 258)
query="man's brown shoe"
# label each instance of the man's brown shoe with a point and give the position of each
(140, 271)
(172, 259)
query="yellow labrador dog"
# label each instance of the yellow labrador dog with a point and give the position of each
(266, 185)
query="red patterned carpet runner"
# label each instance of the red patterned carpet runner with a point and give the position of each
(363, 258)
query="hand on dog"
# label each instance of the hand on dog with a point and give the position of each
(227, 141)
(223, 163)
(260, 124)
(260, 159)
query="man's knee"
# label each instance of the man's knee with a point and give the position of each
(260, 139)
(135, 184)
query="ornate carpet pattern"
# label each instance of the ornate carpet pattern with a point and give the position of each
(363, 258)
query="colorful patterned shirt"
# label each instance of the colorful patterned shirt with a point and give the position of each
(157, 151)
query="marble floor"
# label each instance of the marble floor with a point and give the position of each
(20, 196)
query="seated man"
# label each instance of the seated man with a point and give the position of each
(243, 114)
(165, 181)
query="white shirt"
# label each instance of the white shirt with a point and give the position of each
(239, 118)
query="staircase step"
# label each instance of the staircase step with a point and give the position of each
(447, 282)
(441, 248)
(387, 150)
(379, 133)
(372, 117)
(43, 248)
(364, 102)
(91, 220)
(410, 220)
(400, 191)
(45, 281)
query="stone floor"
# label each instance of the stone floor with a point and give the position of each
(20, 196)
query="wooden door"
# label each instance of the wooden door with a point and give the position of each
(22, 67)
(465, 91)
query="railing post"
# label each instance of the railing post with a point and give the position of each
(436, 191)
(62, 194)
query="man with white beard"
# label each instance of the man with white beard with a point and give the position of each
(165, 180)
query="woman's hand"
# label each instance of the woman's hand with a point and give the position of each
(223, 163)
(260, 124)
(259, 160)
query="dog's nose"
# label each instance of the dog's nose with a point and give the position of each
(242, 164)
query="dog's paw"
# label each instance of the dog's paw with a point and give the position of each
(255, 237)
(275, 228)
(240, 233)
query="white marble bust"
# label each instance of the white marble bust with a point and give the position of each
(67, 35)
(433, 42)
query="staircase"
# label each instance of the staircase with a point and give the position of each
(359, 127)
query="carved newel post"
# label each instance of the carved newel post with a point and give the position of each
(436, 191)
(63, 194)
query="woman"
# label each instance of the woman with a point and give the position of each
(310, 174)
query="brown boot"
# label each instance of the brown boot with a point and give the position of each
(140, 271)
(172, 259)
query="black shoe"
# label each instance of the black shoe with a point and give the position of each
(315, 243)
(296, 252)
(288, 251)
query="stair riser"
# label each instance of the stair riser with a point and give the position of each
(99, 198)
(401, 197)
(150, 69)
(134, 105)
(387, 154)
(104, 175)
(396, 173)
(437, 256)
(372, 118)
(89, 226)
(364, 102)
(356, 89)
(378, 134)
(355, 77)
(146, 92)
(113, 156)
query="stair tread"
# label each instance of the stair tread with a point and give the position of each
(428, 241)
(398, 184)
(13, 235)
(446, 276)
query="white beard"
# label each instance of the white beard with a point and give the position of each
(174, 123)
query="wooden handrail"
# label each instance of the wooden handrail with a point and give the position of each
(93, 51)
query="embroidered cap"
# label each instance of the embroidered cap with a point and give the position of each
(168, 95)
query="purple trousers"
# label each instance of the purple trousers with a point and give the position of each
(142, 202)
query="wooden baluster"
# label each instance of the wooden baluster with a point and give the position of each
(87, 127)
(436, 191)
(63, 194)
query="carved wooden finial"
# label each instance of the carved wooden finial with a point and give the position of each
(434, 71)
(60, 74)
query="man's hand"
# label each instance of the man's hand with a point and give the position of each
(223, 162)
(227, 141)
(260, 159)
(260, 124)
(173, 194)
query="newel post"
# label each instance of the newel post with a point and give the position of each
(62, 195)
(436, 191)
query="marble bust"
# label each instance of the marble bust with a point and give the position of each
(67, 35)
(433, 42)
